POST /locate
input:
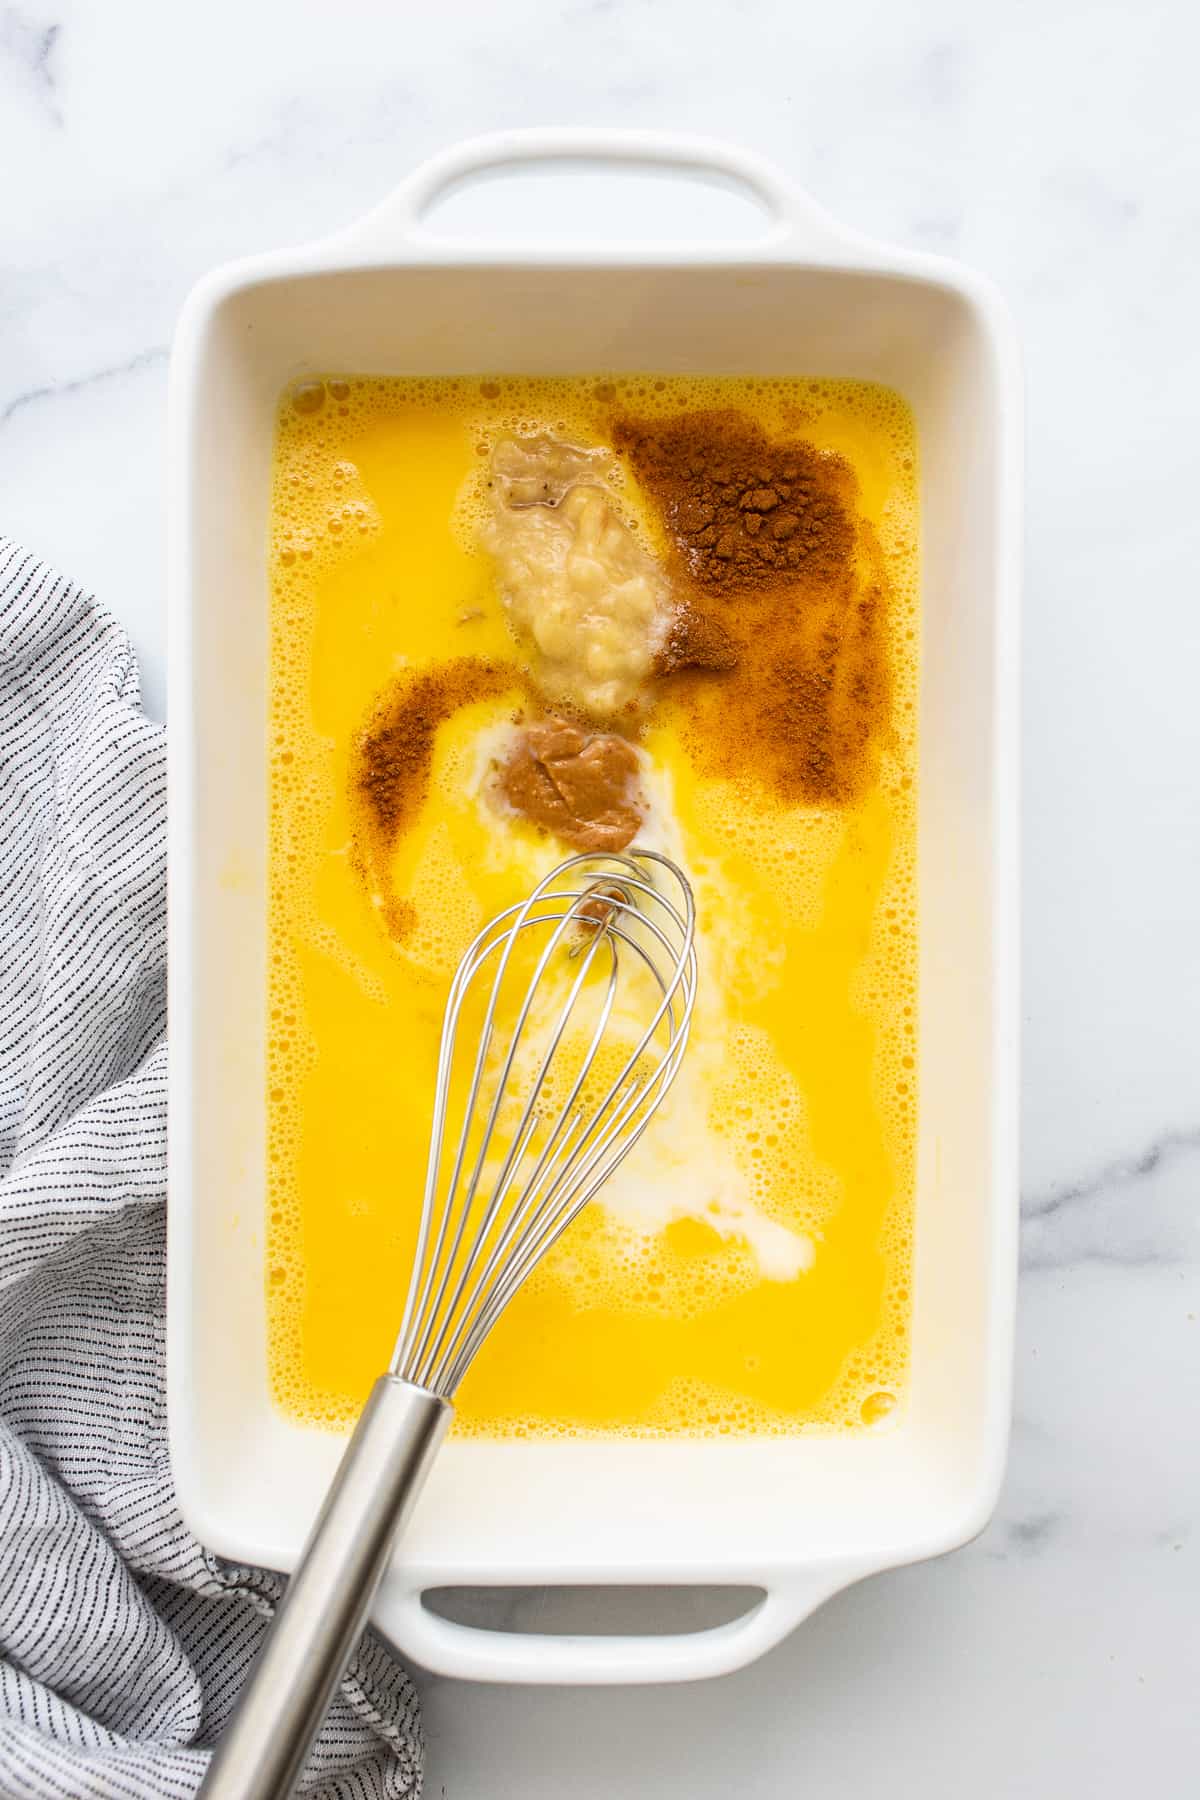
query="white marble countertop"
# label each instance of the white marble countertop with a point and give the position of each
(1056, 148)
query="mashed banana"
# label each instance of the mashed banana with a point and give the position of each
(577, 585)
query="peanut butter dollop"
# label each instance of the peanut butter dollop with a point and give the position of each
(581, 786)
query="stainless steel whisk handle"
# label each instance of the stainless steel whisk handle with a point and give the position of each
(263, 1751)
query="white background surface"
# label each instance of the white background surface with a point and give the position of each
(1056, 147)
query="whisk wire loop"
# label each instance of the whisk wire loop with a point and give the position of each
(523, 1132)
(499, 933)
(522, 1169)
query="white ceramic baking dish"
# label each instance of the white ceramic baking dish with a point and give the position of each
(432, 282)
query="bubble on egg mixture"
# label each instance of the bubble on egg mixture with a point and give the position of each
(685, 1169)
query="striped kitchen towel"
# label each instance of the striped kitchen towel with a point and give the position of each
(122, 1641)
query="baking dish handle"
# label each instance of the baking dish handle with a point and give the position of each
(473, 1653)
(793, 223)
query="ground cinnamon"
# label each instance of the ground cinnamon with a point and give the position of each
(695, 640)
(395, 753)
(391, 766)
(743, 510)
(765, 535)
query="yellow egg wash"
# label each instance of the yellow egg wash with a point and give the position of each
(748, 1270)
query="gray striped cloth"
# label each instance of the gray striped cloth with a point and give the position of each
(122, 1641)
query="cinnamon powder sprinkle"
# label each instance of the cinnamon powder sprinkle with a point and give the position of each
(395, 753)
(695, 640)
(393, 759)
(765, 535)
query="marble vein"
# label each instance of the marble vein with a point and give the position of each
(1094, 1220)
(1025, 1535)
(57, 390)
(1164, 1150)
(30, 44)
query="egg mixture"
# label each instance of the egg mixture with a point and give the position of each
(510, 618)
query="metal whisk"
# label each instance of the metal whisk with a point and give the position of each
(564, 1028)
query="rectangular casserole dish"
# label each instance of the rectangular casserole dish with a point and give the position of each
(798, 295)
